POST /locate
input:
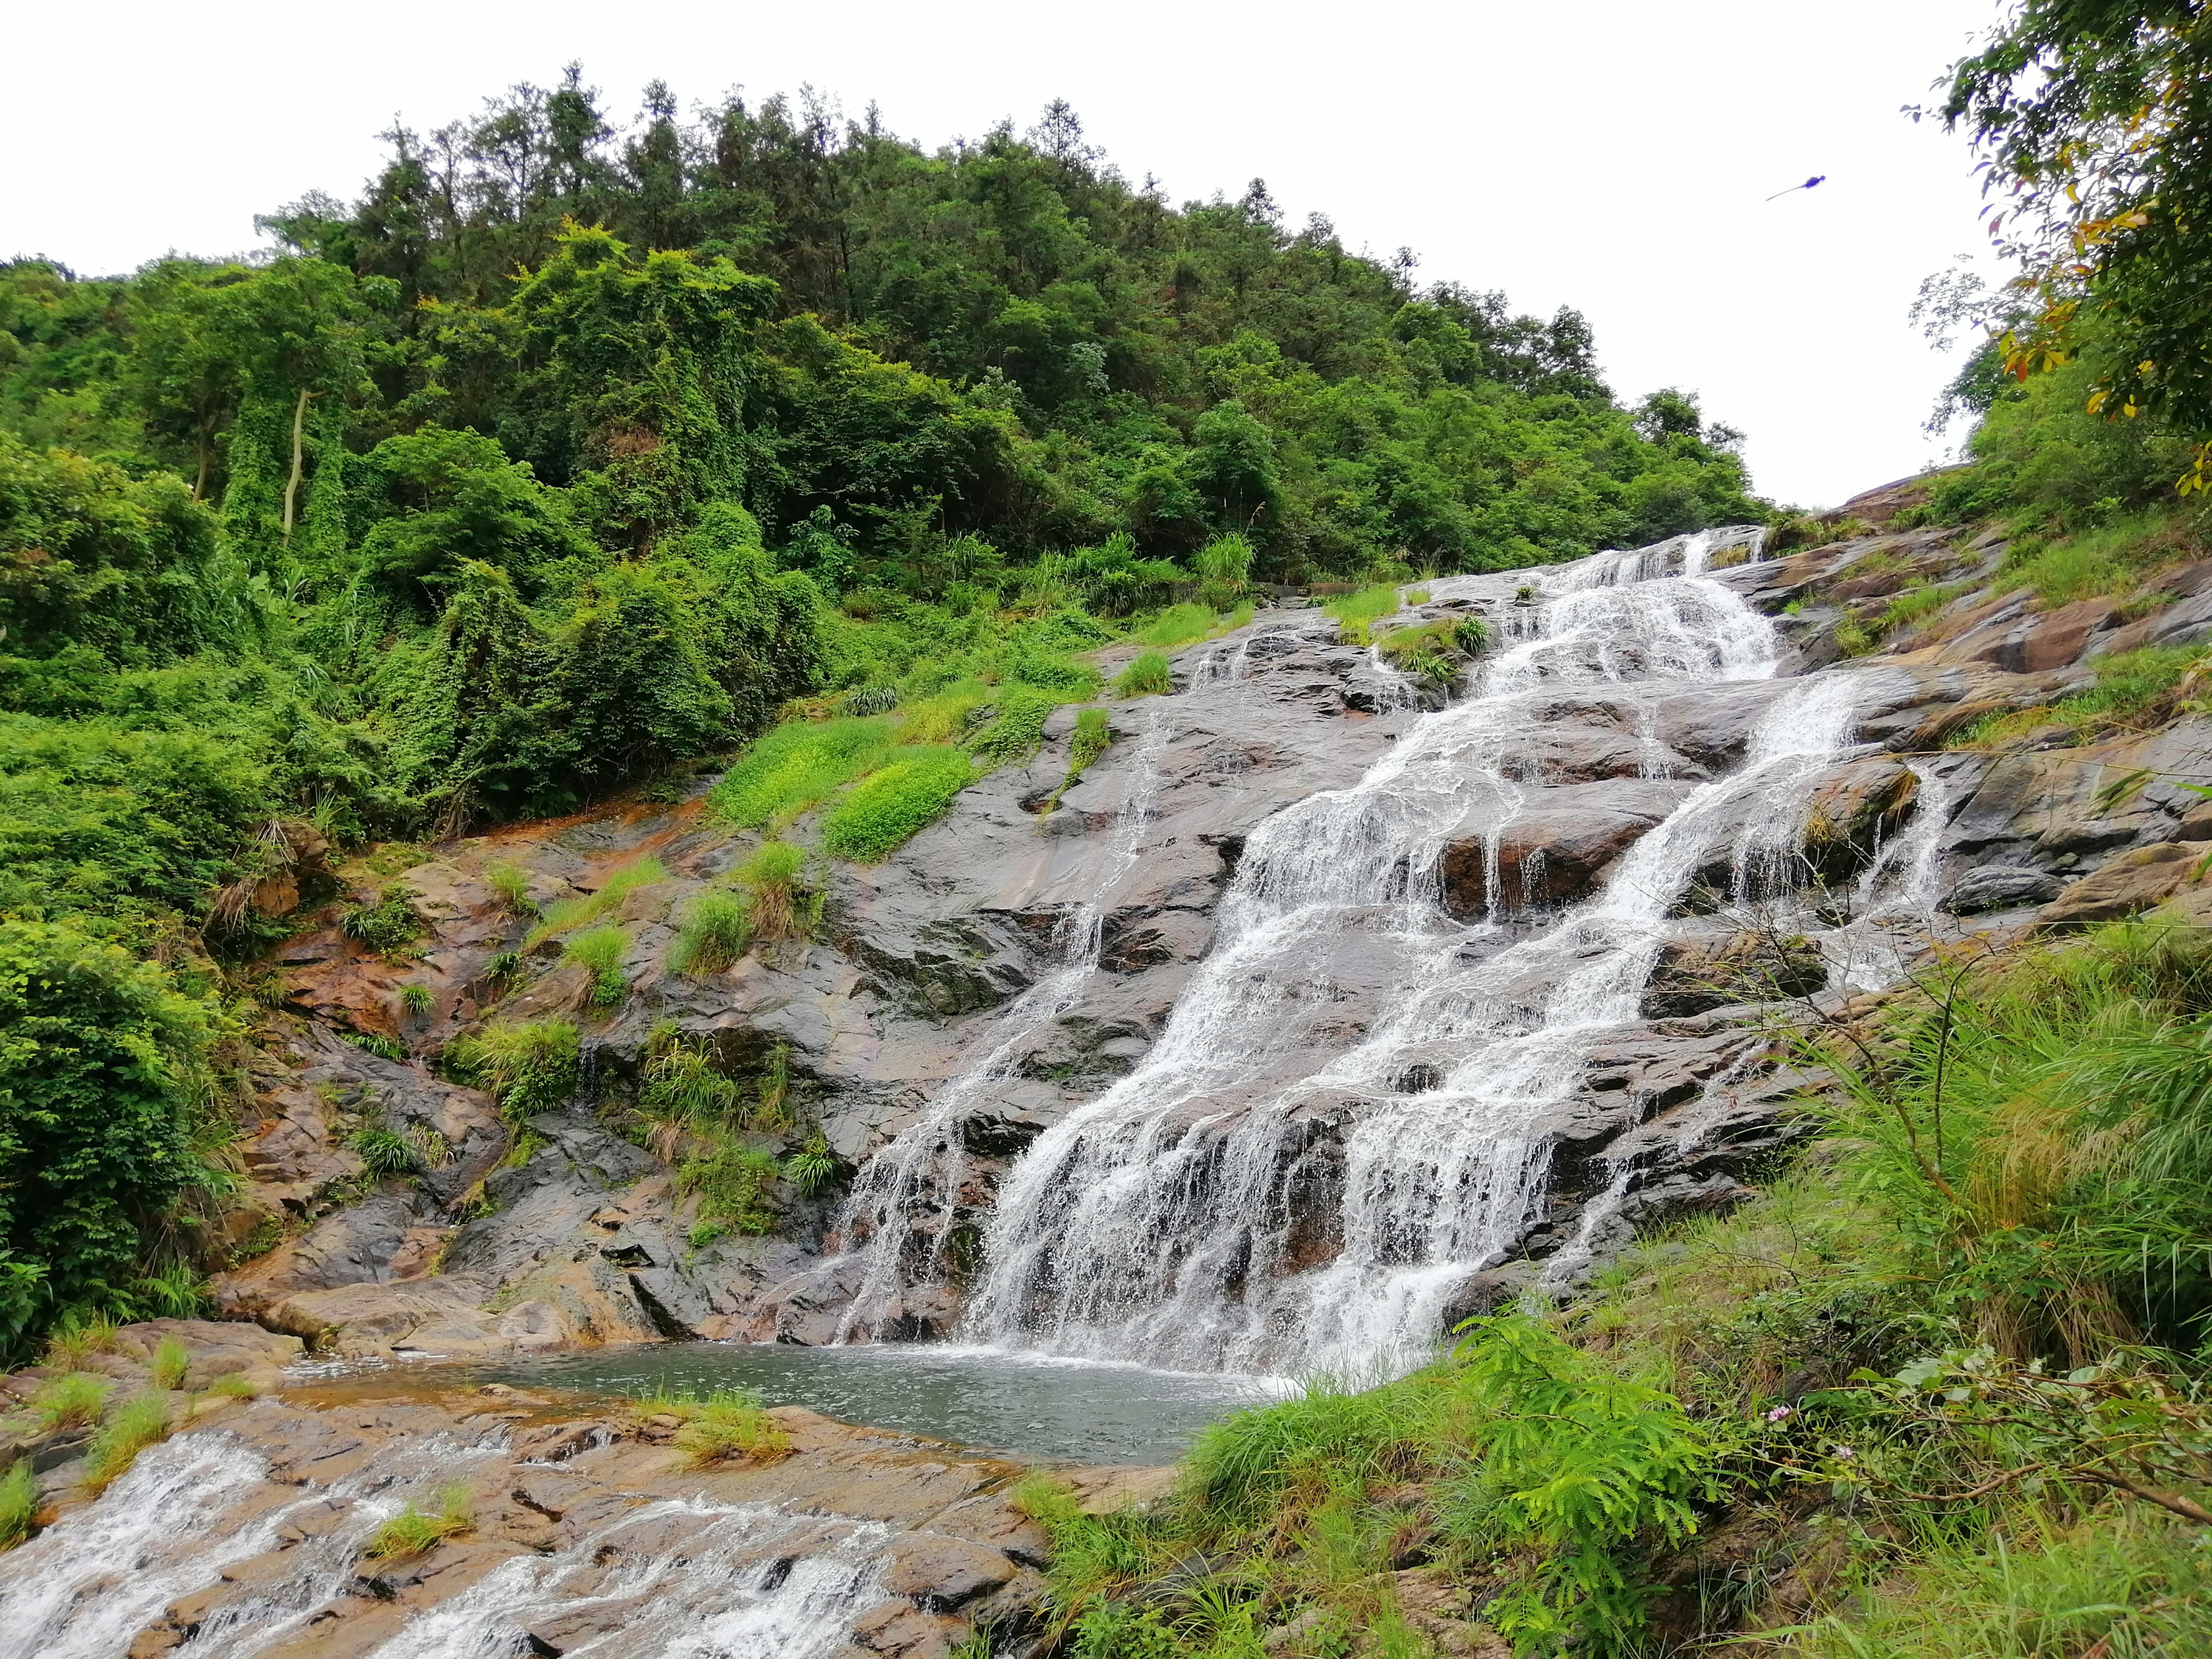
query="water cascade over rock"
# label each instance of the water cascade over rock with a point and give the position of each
(1209, 1211)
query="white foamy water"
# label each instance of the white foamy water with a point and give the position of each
(1167, 1219)
(664, 1580)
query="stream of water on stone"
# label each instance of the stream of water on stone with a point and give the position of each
(1156, 1220)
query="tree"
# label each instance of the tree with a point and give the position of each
(455, 498)
(2096, 116)
(648, 358)
(97, 1064)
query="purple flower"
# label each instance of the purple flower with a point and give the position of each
(1778, 1414)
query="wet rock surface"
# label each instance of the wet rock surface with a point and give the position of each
(254, 1530)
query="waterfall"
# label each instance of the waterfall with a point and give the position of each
(1162, 1219)
(671, 1579)
(916, 1178)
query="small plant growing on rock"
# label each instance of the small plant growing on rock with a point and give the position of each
(70, 1401)
(412, 1531)
(377, 1043)
(417, 999)
(1149, 676)
(172, 1360)
(527, 1068)
(681, 1084)
(512, 885)
(601, 951)
(129, 1429)
(231, 1385)
(1471, 634)
(784, 905)
(812, 1167)
(725, 1422)
(388, 925)
(716, 928)
(19, 1503)
(78, 1337)
(382, 1152)
(732, 1186)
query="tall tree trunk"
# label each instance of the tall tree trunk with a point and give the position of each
(292, 485)
(200, 482)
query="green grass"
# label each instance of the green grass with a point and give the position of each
(797, 766)
(70, 1401)
(567, 915)
(115, 1445)
(883, 809)
(780, 902)
(732, 1184)
(382, 1152)
(2132, 689)
(512, 885)
(527, 1068)
(1356, 612)
(80, 1334)
(171, 1361)
(1148, 676)
(718, 1425)
(19, 1503)
(413, 1531)
(417, 999)
(1179, 624)
(682, 1085)
(600, 950)
(716, 929)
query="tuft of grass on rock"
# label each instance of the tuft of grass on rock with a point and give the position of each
(413, 1531)
(889, 807)
(130, 1429)
(70, 1401)
(1149, 676)
(19, 1503)
(172, 1360)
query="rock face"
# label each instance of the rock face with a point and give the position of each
(948, 961)
(579, 1533)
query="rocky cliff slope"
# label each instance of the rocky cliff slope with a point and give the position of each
(558, 1229)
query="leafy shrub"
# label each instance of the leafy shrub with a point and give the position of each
(100, 1117)
(388, 925)
(527, 1068)
(1471, 634)
(1149, 676)
(716, 931)
(600, 950)
(129, 1429)
(19, 1503)
(872, 700)
(886, 808)
(512, 885)
(797, 766)
(70, 1401)
(171, 1361)
(1580, 1468)
(413, 1531)
(382, 1152)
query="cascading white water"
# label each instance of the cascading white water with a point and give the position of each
(687, 1579)
(916, 1178)
(1160, 1219)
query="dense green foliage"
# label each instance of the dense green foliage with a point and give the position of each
(2096, 116)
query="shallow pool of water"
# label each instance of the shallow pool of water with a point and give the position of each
(1020, 1404)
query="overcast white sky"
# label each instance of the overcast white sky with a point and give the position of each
(1610, 154)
